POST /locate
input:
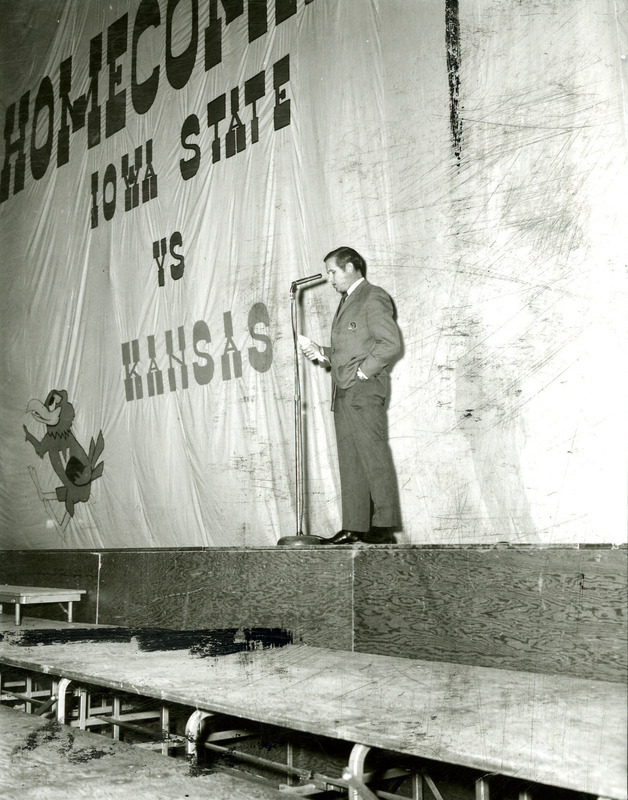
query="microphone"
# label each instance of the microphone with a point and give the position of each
(299, 281)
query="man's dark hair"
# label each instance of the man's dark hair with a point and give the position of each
(344, 255)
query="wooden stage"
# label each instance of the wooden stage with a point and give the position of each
(557, 730)
(548, 609)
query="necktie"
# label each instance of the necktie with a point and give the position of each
(342, 299)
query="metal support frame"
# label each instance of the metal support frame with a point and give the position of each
(28, 690)
(432, 786)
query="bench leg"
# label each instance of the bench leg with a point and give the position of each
(165, 730)
(193, 731)
(116, 706)
(70, 610)
(357, 789)
(417, 786)
(354, 774)
(18, 613)
(83, 708)
(64, 684)
(481, 789)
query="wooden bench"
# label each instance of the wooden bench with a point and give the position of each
(556, 730)
(28, 595)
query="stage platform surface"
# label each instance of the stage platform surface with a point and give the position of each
(42, 760)
(553, 729)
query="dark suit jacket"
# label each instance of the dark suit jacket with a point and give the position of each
(364, 334)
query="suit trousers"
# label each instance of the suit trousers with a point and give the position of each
(367, 472)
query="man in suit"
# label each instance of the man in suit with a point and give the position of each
(364, 340)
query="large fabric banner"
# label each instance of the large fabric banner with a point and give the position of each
(170, 167)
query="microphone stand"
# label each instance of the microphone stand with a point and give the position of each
(299, 539)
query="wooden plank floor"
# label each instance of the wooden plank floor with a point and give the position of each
(40, 759)
(563, 731)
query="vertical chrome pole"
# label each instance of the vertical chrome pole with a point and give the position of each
(298, 460)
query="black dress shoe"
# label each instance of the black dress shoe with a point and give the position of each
(378, 536)
(345, 537)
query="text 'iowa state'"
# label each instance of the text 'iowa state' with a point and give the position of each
(29, 125)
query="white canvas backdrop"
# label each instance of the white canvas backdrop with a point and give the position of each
(475, 156)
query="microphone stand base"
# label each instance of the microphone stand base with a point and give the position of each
(300, 540)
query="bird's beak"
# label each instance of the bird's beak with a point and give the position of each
(40, 413)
